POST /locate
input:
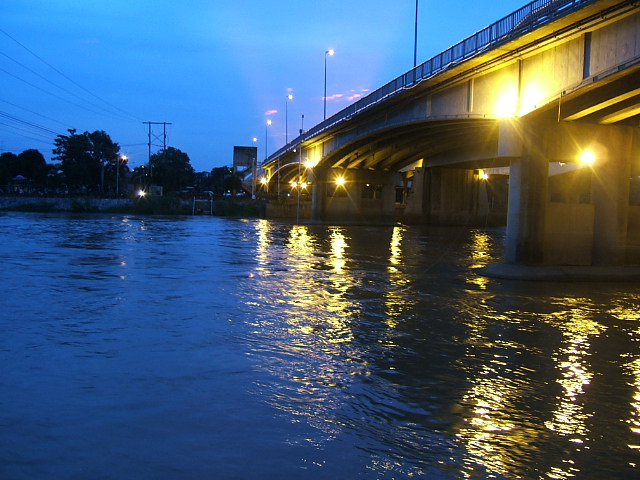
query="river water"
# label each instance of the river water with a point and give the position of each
(209, 348)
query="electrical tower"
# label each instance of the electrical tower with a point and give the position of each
(153, 137)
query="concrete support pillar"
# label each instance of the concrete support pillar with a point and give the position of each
(366, 196)
(528, 185)
(415, 210)
(562, 232)
(610, 194)
(452, 196)
(525, 216)
(318, 192)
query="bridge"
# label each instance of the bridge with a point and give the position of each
(532, 121)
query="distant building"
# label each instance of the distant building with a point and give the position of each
(244, 158)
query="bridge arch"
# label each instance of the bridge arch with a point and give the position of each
(567, 69)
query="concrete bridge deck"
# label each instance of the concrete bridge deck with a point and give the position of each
(521, 100)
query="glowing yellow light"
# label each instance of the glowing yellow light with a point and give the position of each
(532, 96)
(506, 103)
(294, 184)
(396, 251)
(309, 164)
(587, 157)
(264, 180)
(304, 184)
(340, 181)
(338, 247)
(483, 175)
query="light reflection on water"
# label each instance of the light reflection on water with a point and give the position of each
(243, 349)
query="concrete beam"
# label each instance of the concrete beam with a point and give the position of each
(594, 100)
(621, 115)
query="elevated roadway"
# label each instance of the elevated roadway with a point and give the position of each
(521, 101)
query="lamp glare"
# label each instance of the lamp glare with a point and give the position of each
(587, 157)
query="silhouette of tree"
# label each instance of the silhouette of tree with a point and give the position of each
(8, 167)
(83, 157)
(104, 151)
(32, 165)
(172, 169)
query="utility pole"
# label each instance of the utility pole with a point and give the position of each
(164, 141)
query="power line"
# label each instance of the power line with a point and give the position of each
(27, 123)
(131, 116)
(34, 113)
(42, 77)
(52, 94)
(22, 129)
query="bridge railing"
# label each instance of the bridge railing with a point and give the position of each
(524, 20)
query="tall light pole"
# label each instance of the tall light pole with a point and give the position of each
(266, 139)
(286, 119)
(254, 168)
(122, 158)
(266, 154)
(415, 41)
(328, 52)
(300, 171)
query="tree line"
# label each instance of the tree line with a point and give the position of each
(91, 163)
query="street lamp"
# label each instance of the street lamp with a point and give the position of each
(328, 52)
(254, 162)
(587, 157)
(415, 41)
(122, 158)
(286, 119)
(300, 169)
(266, 138)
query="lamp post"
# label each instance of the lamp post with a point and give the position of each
(326, 53)
(300, 171)
(254, 162)
(122, 158)
(415, 41)
(266, 151)
(286, 119)
(266, 139)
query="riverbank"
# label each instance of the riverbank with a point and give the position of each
(164, 205)
(62, 204)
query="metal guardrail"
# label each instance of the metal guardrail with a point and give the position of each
(524, 20)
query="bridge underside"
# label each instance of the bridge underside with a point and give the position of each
(439, 152)
(432, 172)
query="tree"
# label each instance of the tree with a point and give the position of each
(172, 169)
(83, 157)
(232, 183)
(79, 169)
(217, 177)
(8, 167)
(32, 165)
(55, 177)
(103, 151)
(116, 173)
(223, 180)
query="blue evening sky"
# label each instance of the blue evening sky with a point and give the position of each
(217, 70)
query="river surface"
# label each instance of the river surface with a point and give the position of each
(208, 348)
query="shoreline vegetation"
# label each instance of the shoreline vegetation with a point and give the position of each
(148, 205)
